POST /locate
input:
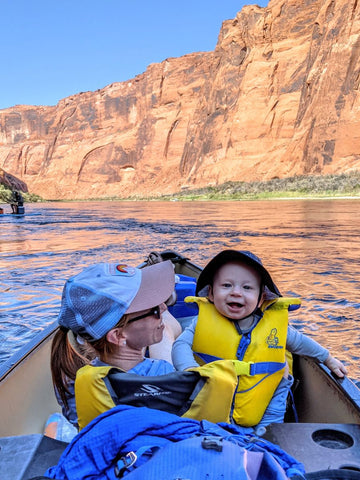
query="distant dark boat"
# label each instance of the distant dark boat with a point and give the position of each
(20, 215)
(20, 210)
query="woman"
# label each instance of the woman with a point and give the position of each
(113, 311)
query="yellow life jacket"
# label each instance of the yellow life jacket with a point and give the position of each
(262, 352)
(192, 394)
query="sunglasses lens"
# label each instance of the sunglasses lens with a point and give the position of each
(153, 312)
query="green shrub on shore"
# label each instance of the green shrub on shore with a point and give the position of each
(345, 184)
(5, 196)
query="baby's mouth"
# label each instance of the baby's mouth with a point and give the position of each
(235, 305)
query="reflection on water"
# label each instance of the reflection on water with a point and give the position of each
(312, 249)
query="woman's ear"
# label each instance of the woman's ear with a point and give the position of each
(115, 336)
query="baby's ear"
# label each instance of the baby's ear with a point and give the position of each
(262, 298)
(210, 294)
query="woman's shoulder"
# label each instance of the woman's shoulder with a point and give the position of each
(152, 367)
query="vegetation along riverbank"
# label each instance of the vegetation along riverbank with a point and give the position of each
(314, 186)
(325, 186)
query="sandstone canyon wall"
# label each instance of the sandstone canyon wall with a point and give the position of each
(278, 96)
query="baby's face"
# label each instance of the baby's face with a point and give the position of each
(235, 291)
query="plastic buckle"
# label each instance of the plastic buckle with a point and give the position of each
(128, 461)
(212, 443)
(243, 368)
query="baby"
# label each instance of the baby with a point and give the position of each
(242, 316)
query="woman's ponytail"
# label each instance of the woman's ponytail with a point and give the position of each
(65, 362)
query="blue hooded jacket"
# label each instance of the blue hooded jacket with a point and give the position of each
(92, 453)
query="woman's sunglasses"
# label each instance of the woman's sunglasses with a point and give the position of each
(154, 312)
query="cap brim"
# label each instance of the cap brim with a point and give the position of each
(157, 285)
(207, 275)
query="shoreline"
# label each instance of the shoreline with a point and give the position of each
(202, 198)
(199, 199)
(343, 186)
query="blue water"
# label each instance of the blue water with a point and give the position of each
(312, 249)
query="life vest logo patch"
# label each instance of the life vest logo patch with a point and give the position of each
(148, 390)
(272, 339)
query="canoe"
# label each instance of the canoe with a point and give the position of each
(325, 436)
(17, 215)
(12, 214)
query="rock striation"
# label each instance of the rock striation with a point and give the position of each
(279, 96)
(12, 182)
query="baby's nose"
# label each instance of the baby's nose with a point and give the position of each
(236, 290)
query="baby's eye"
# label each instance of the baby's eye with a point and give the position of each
(248, 287)
(226, 285)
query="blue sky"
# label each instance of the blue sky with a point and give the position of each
(51, 49)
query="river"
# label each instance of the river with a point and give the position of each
(311, 247)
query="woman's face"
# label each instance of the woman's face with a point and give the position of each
(146, 330)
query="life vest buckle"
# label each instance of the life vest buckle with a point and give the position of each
(127, 461)
(243, 368)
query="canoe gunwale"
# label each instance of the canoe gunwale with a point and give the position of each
(26, 350)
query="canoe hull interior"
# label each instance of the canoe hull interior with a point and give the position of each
(319, 446)
(320, 397)
(27, 396)
(28, 456)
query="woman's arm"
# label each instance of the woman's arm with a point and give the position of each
(182, 354)
(172, 330)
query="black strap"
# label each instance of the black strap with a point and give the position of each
(40, 478)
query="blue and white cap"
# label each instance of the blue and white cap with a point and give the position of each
(94, 301)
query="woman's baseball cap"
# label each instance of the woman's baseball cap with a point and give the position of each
(94, 301)
(243, 256)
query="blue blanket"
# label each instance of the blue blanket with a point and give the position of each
(92, 452)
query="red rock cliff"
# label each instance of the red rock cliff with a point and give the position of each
(279, 96)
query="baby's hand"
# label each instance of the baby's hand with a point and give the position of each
(336, 366)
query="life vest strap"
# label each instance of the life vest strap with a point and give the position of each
(240, 367)
(207, 358)
(257, 368)
(266, 367)
(247, 368)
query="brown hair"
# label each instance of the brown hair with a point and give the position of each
(68, 357)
